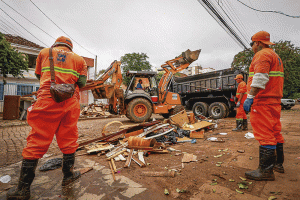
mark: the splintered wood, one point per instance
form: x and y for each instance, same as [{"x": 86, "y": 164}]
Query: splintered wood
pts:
[
  {"x": 180, "y": 118},
  {"x": 96, "y": 147},
  {"x": 187, "y": 157},
  {"x": 94, "y": 110}
]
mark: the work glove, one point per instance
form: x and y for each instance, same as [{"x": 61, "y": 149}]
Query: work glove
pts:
[
  {"x": 247, "y": 105},
  {"x": 238, "y": 104}
]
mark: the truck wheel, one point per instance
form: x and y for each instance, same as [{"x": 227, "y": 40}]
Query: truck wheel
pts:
[
  {"x": 217, "y": 110},
  {"x": 227, "y": 109},
  {"x": 176, "y": 110},
  {"x": 139, "y": 110},
  {"x": 200, "y": 108}
]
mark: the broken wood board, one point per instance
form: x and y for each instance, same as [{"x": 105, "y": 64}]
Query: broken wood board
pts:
[
  {"x": 197, "y": 134},
  {"x": 180, "y": 118},
  {"x": 137, "y": 161},
  {"x": 95, "y": 147},
  {"x": 187, "y": 157},
  {"x": 128, "y": 161},
  {"x": 182, "y": 139},
  {"x": 198, "y": 125},
  {"x": 159, "y": 174}
]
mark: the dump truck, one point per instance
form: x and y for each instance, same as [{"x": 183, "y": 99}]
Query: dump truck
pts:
[
  {"x": 138, "y": 105},
  {"x": 209, "y": 94}
]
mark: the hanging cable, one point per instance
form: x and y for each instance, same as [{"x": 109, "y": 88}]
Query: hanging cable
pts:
[
  {"x": 279, "y": 12},
  {"x": 215, "y": 14},
  {"x": 60, "y": 28},
  {"x": 23, "y": 27},
  {"x": 28, "y": 20}
]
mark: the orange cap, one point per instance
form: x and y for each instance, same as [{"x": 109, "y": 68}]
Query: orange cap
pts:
[
  {"x": 239, "y": 76},
  {"x": 62, "y": 40},
  {"x": 263, "y": 37}
]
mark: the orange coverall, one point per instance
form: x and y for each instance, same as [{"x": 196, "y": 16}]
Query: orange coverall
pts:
[
  {"x": 266, "y": 108},
  {"x": 240, "y": 113},
  {"x": 48, "y": 118}
]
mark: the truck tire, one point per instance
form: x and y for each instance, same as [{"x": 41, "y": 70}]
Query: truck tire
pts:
[
  {"x": 227, "y": 108},
  {"x": 200, "y": 108},
  {"x": 176, "y": 110},
  {"x": 139, "y": 110},
  {"x": 217, "y": 110}
]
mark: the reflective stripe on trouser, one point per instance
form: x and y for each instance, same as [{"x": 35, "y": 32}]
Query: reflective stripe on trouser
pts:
[
  {"x": 265, "y": 122},
  {"x": 48, "y": 118},
  {"x": 240, "y": 113}
]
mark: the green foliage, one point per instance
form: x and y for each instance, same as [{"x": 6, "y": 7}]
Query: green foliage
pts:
[
  {"x": 134, "y": 62},
  {"x": 290, "y": 56},
  {"x": 11, "y": 61},
  {"x": 159, "y": 76}
]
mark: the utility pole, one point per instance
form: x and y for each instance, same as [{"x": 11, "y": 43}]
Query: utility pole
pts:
[{"x": 95, "y": 68}]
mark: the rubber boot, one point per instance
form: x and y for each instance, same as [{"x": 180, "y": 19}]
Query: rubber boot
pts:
[
  {"x": 264, "y": 171},
  {"x": 279, "y": 158},
  {"x": 22, "y": 191},
  {"x": 67, "y": 168},
  {"x": 245, "y": 125},
  {"x": 239, "y": 124}
]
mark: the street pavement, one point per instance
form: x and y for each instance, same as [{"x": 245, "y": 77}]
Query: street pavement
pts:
[{"x": 95, "y": 184}]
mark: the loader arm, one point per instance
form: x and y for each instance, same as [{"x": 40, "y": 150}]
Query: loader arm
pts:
[
  {"x": 110, "y": 91},
  {"x": 173, "y": 66}
]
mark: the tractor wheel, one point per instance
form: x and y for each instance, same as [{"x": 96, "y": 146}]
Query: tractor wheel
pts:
[
  {"x": 176, "y": 110},
  {"x": 139, "y": 110},
  {"x": 217, "y": 110},
  {"x": 200, "y": 108}
]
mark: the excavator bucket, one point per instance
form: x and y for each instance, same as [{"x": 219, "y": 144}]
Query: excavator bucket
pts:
[
  {"x": 189, "y": 56},
  {"x": 104, "y": 92}
]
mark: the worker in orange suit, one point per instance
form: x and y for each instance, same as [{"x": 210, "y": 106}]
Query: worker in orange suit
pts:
[
  {"x": 265, "y": 90},
  {"x": 241, "y": 94},
  {"x": 48, "y": 118}
]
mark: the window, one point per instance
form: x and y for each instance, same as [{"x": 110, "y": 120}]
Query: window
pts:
[
  {"x": 24, "y": 89},
  {"x": 1, "y": 91},
  {"x": 37, "y": 88}
]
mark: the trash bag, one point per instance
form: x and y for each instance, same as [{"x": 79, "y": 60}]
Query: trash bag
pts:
[{"x": 51, "y": 164}]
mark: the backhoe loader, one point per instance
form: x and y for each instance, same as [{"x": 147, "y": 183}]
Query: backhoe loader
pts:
[{"x": 138, "y": 105}]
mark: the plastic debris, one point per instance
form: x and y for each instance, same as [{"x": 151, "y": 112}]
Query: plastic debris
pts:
[
  {"x": 5, "y": 179},
  {"x": 54, "y": 163},
  {"x": 242, "y": 178},
  {"x": 166, "y": 192},
  {"x": 239, "y": 191},
  {"x": 222, "y": 133},
  {"x": 249, "y": 135},
  {"x": 212, "y": 139}
]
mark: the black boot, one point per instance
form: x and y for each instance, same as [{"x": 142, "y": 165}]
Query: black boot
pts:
[
  {"x": 67, "y": 168},
  {"x": 22, "y": 192},
  {"x": 239, "y": 124},
  {"x": 245, "y": 125},
  {"x": 280, "y": 158},
  {"x": 264, "y": 171}
]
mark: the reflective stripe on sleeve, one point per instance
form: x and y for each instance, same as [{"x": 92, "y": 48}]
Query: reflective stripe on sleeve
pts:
[{"x": 62, "y": 70}]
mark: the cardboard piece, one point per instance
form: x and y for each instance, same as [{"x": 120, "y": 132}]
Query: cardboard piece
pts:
[
  {"x": 180, "y": 118},
  {"x": 187, "y": 157},
  {"x": 198, "y": 125}
]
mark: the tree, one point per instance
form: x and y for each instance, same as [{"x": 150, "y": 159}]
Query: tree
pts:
[
  {"x": 11, "y": 61},
  {"x": 134, "y": 62},
  {"x": 290, "y": 56}
]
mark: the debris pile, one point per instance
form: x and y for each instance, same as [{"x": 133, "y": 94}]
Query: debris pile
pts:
[
  {"x": 95, "y": 110},
  {"x": 131, "y": 143}
]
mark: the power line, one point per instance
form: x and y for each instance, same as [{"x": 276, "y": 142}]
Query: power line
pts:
[
  {"x": 22, "y": 27},
  {"x": 224, "y": 24},
  {"x": 279, "y": 12},
  {"x": 60, "y": 28},
  {"x": 17, "y": 31},
  {"x": 233, "y": 22},
  {"x": 28, "y": 20}
]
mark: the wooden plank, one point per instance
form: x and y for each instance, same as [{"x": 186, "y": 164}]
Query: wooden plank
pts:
[
  {"x": 141, "y": 157},
  {"x": 112, "y": 171},
  {"x": 121, "y": 157},
  {"x": 116, "y": 154},
  {"x": 128, "y": 161},
  {"x": 113, "y": 165},
  {"x": 197, "y": 134},
  {"x": 137, "y": 161}
]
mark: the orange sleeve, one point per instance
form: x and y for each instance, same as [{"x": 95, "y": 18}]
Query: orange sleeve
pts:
[
  {"x": 262, "y": 63},
  {"x": 38, "y": 67},
  {"x": 83, "y": 69}
]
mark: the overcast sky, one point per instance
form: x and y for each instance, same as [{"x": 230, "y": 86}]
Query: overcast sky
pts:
[{"x": 160, "y": 28}]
